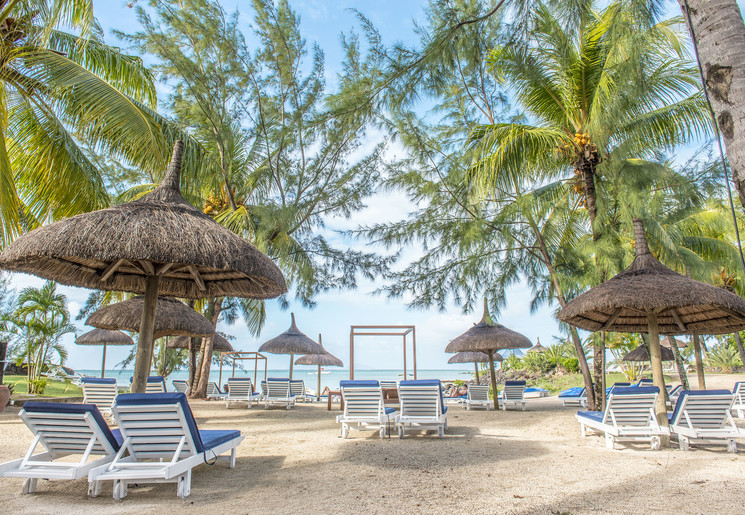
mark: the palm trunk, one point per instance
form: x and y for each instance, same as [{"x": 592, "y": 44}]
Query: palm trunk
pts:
[
  {"x": 204, "y": 376},
  {"x": 699, "y": 362},
  {"x": 3, "y": 354},
  {"x": 719, "y": 35},
  {"x": 597, "y": 363},
  {"x": 679, "y": 363},
  {"x": 655, "y": 356},
  {"x": 740, "y": 347},
  {"x": 584, "y": 367},
  {"x": 194, "y": 343}
]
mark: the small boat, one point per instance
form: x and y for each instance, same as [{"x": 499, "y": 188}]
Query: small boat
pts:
[{"x": 315, "y": 372}]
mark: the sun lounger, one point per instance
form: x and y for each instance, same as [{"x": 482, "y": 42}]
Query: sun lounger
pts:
[
  {"x": 100, "y": 391},
  {"x": 240, "y": 390},
  {"x": 278, "y": 392},
  {"x": 297, "y": 388},
  {"x": 536, "y": 393},
  {"x": 161, "y": 444},
  {"x": 364, "y": 409},
  {"x": 513, "y": 395},
  {"x": 422, "y": 406},
  {"x": 629, "y": 415},
  {"x": 213, "y": 391},
  {"x": 180, "y": 385},
  {"x": 644, "y": 381},
  {"x": 739, "y": 404},
  {"x": 576, "y": 396},
  {"x": 389, "y": 384},
  {"x": 155, "y": 384},
  {"x": 478, "y": 397},
  {"x": 703, "y": 416},
  {"x": 673, "y": 392},
  {"x": 64, "y": 430}
]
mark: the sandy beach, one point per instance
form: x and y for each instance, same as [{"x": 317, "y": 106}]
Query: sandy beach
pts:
[{"x": 489, "y": 462}]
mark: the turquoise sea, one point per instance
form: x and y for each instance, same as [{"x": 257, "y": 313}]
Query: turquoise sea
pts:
[{"x": 330, "y": 379}]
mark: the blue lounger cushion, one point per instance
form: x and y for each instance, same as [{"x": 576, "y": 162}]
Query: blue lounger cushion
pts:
[
  {"x": 514, "y": 383},
  {"x": 534, "y": 389},
  {"x": 98, "y": 380},
  {"x": 277, "y": 379},
  {"x": 388, "y": 411},
  {"x": 211, "y": 438},
  {"x": 80, "y": 409},
  {"x": 426, "y": 382},
  {"x": 597, "y": 416},
  {"x": 577, "y": 391},
  {"x": 635, "y": 390},
  {"x": 358, "y": 383},
  {"x": 673, "y": 417}
]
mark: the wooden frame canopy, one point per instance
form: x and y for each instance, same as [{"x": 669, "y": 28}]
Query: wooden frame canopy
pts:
[
  {"x": 382, "y": 330},
  {"x": 239, "y": 355}
]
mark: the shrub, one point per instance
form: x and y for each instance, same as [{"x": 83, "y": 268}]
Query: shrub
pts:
[
  {"x": 570, "y": 364},
  {"x": 38, "y": 386},
  {"x": 724, "y": 357}
]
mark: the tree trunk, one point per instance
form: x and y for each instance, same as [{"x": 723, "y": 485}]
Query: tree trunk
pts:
[
  {"x": 584, "y": 367},
  {"x": 493, "y": 379},
  {"x": 204, "y": 376},
  {"x": 699, "y": 363},
  {"x": 144, "y": 355},
  {"x": 718, "y": 32},
  {"x": 194, "y": 343},
  {"x": 679, "y": 363},
  {"x": 597, "y": 363},
  {"x": 3, "y": 353},
  {"x": 740, "y": 347},
  {"x": 655, "y": 356}
]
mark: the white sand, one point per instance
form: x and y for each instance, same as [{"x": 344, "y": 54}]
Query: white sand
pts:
[{"x": 489, "y": 462}]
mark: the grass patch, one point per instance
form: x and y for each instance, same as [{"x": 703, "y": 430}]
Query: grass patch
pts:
[
  {"x": 557, "y": 384},
  {"x": 53, "y": 389}
]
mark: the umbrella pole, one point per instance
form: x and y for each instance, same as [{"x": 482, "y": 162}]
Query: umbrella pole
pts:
[
  {"x": 145, "y": 345},
  {"x": 476, "y": 367},
  {"x": 699, "y": 362},
  {"x": 165, "y": 356},
  {"x": 493, "y": 379},
  {"x": 655, "y": 355},
  {"x": 292, "y": 358},
  {"x": 318, "y": 392},
  {"x": 103, "y": 362}
]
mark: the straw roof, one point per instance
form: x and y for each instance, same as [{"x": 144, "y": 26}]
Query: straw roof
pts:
[
  {"x": 172, "y": 318},
  {"x": 292, "y": 341},
  {"x": 472, "y": 357},
  {"x": 158, "y": 234},
  {"x": 537, "y": 347},
  {"x": 665, "y": 342},
  {"x": 487, "y": 335},
  {"x": 683, "y": 305},
  {"x": 642, "y": 354},
  {"x": 325, "y": 360},
  {"x": 104, "y": 337},
  {"x": 219, "y": 344}
]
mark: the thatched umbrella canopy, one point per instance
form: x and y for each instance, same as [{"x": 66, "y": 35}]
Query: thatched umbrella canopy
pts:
[
  {"x": 219, "y": 343},
  {"x": 322, "y": 360},
  {"x": 473, "y": 357},
  {"x": 642, "y": 354},
  {"x": 157, "y": 244},
  {"x": 665, "y": 342},
  {"x": 293, "y": 341},
  {"x": 104, "y": 337},
  {"x": 488, "y": 336},
  {"x": 649, "y": 297},
  {"x": 537, "y": 347}
]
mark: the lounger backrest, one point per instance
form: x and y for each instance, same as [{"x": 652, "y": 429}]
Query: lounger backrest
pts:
[
  {"x": 702, "y": 409},
  {"x": 156, "y": 424},
  {"x": 631, "y": 406},
  {"x": 388, "y": 384},
  {"x": 478, "y": 393},
  {"x": 100, "y": 392},
  {"x": 644, "y": 381},
  {"x": 180, "y": 385},
  {"x": 297, "y": 387},
  {"x": 362, "y": 399},
  {"x": 239, "y": 387},
  {"x": 213, "y": 389},
  {"x": 155, "y": 384},
  {"x": 576, "y": 391},
  {"x": 420, "y": 398},
  {"x": 278, "y": 388},
  {"x": 68, "y": 428},
  {"x": 514, "y": 390},
  {"x": 739, "y": 391}
]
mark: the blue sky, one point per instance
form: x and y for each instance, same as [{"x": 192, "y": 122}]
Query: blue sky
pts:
[{"x": 322, "y": 21}]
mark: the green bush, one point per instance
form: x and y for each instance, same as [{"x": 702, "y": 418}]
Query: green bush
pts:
[
  {"x": 38, "y": 386},
  {"x": 570, "y": 364},
  {"x": 724, "y": 357}
]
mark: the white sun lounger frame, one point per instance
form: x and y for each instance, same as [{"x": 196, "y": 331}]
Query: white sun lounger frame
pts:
[
  {"x": 278, "y": 392},
  {"x": 155, "y": 387},
  {"x": 580, "y": 400},
  {"x": 513, "y": 396},
  {"x": 61, "y": 434},
  {"x": 159, "y": 432},
  {"x": 180, "y": 385},
  {"x": 297, "y": 388},
  {"x": 240, "y": 391},
  {"x": 364, "y": 410},
  {"x": 102, "y": 395},
  {"x": 421, "y": 408},
  {"x": 213, "y": 391},
  {"x": 627, "y": 417},
  {"x": 739, "y": 402},
  {"x": 706, "y": 419},
  {"x": 478, "y": 397}
]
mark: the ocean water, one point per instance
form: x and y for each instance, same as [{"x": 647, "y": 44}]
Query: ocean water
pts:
[{"x": 306, "y": 373}]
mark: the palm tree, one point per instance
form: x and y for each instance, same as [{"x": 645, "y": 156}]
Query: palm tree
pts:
[{"x": 63, "y": 94}]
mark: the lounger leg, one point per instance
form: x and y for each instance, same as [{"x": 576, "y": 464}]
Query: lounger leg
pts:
[
  {"x": 583, "y": 430},
  {"x": 731, "y": 445},
  {"x": 655, "y": 443},
  {"x": 29, "y": 485},
  {"x": 683, "y": 442},
  {"x": 232, "y": 458},
  {"x": 609, "y": 441},
  {"x": 120, "y": 489},
  {"x": 401, "y": 431},
  {"x": 382, "y": 431},
  {"x": 184, "y": 485},
  {"x": 344, "y": 430},
  {"x": 740, "y": 413},
  {"x": 94, "y": 488},
  {"x": 441, "y": 431}
]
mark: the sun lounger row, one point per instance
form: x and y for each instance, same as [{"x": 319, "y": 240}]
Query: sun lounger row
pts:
[
  {"x": 699, "y": 417},
  {"x": 421, "y": 407},
  {"x": 157, "y": 441}
]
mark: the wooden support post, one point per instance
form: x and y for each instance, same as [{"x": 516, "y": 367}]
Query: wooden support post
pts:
[
  {"x": 405, "y": 376},
  {"x": 165, "y": 357},
  {"x": 699, "y": 362},
  {"x": 292, "y": 358},
  {"x": 145, "y": 344},
  {"x": 318, "y": 392},
  {"x": 476, "y": 366},
  {"x": 351, "y": 354},
  {"x": 655, "y": 355},
  {"x": 103, "y": 362},
  {"x": 413, "y": 349},
  {"x": 490, "y": 352}
]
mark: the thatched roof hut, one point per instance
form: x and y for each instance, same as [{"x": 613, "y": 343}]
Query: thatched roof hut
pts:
[
  {"x": 172, "y": 318},
  {"x": 642, "y": 354},
  {"x": 219, "y": 343},
  {"x": 475, "y": 358},
  {"x": 321, "y": 360},
  {"x": 293, "y": 341},
  {"x": 157, "y": 245},
  {"x": 488, "y": 336},
  {"x": 104, "y": 337}
]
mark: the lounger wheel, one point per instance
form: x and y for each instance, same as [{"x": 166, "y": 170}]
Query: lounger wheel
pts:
[
  {"x": 683, "y": 443},
  {"x": 441, "y": 431},
  {"x": 120, "y": 490},
  {"x": 344, "y": 431},
  {"x": 29, "y": 485},
  {"x": 382, "y": 431},
  {"x": 609, "y": 441},
  {"x": 184, "y": 486},
  {"x": 655, "y": 443},
  {"x": 401, "y": 431},
  {"x": 731, "y": 445},
  {"x": 94, "y": 488}
]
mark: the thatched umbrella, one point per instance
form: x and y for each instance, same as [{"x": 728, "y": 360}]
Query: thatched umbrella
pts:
[
  {"x": 665, "y": 342},
  {"x": 642, "y": 354},
  {"x": 537, "y": 347},
  {"x": 488, "y": 336},
  {"x": 104, "y": 337},
  {"x": 293, "y": 341},
  {"x": 322, "y": 360},
  {"x": 219, "y": 343},
  {"x": 649, "y": 297},
  {"x": 473, "y": 357},
  {"x": 157, "y": 244}
]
